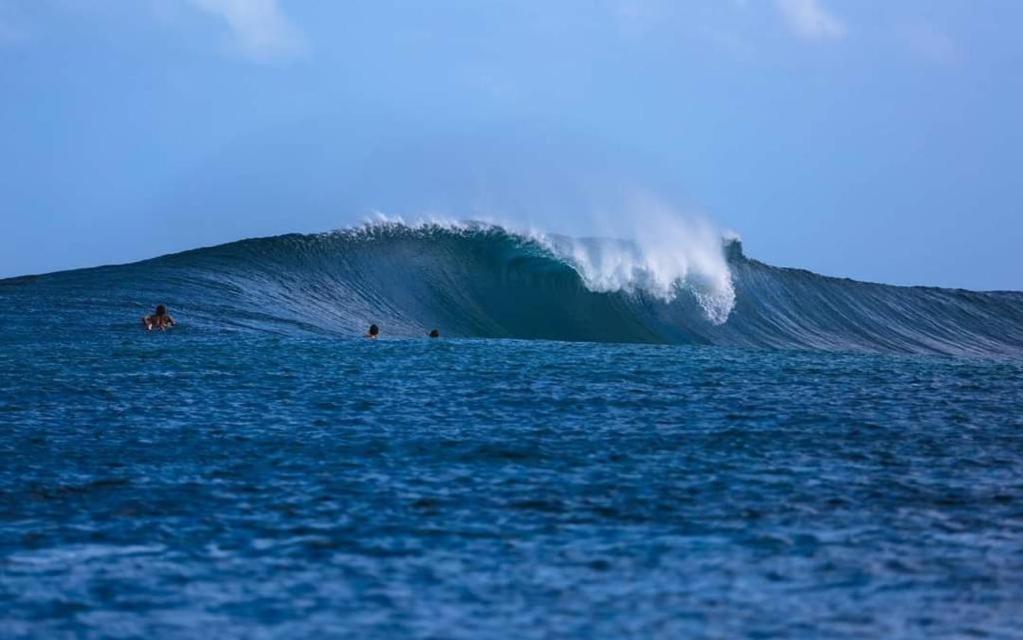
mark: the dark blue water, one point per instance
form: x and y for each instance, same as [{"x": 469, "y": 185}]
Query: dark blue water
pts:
[
  {"x": 185, "y": 485},
  {"x": 832, "y": 459}
]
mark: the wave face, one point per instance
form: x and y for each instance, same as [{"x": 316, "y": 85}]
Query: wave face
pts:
[{"x": 477, "y": 280}]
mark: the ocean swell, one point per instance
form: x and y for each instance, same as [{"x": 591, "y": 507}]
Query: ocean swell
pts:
[{"x": 483, "y": 280}]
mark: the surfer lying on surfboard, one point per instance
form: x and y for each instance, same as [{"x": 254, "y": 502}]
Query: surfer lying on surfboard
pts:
[{"x": 160, "y": 320}]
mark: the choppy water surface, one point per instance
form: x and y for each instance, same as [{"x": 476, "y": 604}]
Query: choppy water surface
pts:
[{"x": 190, "y": 484}]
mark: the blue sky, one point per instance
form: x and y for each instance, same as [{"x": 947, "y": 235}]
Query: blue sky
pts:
[{"x": 874, "y": 140}]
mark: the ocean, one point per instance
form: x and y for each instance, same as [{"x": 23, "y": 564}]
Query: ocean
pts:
[{"x": 608, "y": 441}]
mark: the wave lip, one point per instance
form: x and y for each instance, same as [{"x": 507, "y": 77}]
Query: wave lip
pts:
[
  {"x": 678, "y": 258},
  {"x": 677, "y": 285}
]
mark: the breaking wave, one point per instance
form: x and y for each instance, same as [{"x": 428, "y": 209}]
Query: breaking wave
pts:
[{"x": 482, "y": 280}]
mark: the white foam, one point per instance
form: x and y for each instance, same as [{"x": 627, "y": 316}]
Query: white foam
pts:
[{"x": 686, "y": 255}]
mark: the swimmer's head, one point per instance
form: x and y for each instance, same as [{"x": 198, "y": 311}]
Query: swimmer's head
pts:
[
  {"x": 161, "y": 310},
  {"x": 374, "y": 330},
  {"x": 435, "y": 334}
]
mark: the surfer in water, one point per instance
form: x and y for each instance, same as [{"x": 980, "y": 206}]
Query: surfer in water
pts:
[
  {"x": 374, "y": 332},
  {"x": 434, "y": 333},
  {"x": 159, "y": 320}
]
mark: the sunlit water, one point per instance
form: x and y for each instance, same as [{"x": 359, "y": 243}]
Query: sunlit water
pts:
[{"x": 192, "y": 485}]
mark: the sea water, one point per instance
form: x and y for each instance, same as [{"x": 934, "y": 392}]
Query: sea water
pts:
[
  {"x": 656, "y": 438},
  {"x": 194, "y": 483}
]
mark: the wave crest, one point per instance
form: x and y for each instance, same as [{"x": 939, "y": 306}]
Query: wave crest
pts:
[{"x": 686, "y": 256}]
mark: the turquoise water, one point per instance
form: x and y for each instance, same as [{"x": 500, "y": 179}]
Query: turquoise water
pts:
[{"x": 754, "y": 453}]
